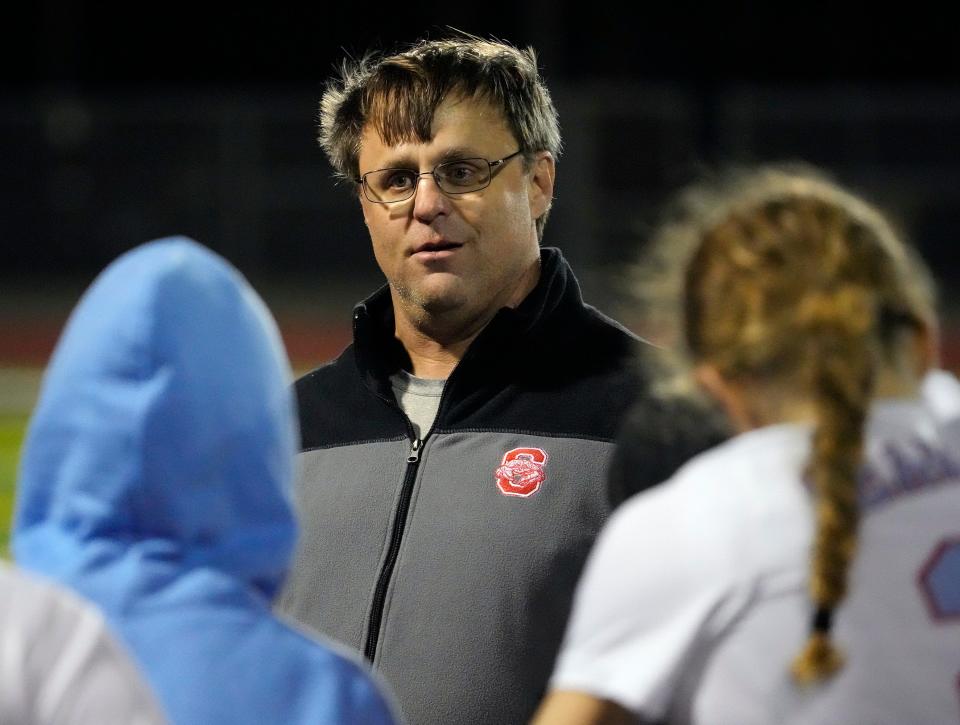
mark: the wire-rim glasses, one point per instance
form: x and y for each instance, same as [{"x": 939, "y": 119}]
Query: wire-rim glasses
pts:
[{"x": 459, "y": 176}]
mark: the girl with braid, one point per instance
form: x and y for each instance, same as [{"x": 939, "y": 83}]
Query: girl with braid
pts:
[{"x": 807, "y": 570}]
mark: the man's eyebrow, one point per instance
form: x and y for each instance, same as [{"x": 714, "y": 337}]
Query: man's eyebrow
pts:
[
  {"x": 458, "y": 152},
  {"x": 405, "y": 160},
  {"x": 400, "y": 161}
]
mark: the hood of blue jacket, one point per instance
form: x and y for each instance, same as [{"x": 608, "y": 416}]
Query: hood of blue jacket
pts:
[
  {"x": 159, "y": 456},
  {"x": 155, "y": 481}
]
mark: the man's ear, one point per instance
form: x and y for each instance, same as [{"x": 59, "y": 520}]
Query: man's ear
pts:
[
  {"x": 362, "y": 201},
  {"x": 542, "y": 175},
  {"x": 728, "y": 395}
]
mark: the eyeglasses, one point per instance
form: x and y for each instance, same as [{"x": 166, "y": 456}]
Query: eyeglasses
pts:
[{"x": 461, "y": 176}]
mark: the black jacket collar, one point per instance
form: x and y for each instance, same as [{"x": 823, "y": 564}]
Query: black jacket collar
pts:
[{"x": 555, "y": 297}]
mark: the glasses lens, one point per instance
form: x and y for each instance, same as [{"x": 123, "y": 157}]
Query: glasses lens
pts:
[
  {"x": 389, "y": 185},
  {"x": 463, "y": 175}
]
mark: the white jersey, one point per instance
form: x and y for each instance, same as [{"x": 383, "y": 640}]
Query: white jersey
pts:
[
  {"x": 694, "y": 601},
  {"x": 58, "y": 663}
]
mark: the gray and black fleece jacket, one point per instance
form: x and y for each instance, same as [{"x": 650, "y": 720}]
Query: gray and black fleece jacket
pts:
[{"x": 451, "y": 561}]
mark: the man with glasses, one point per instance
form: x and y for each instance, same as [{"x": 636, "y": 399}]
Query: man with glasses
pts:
[{"x": 452, "y": 477}]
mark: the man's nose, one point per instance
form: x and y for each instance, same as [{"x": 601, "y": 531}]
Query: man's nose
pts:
[{"x": 429, "y": 200}]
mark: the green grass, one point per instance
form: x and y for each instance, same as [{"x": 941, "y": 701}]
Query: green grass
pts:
[{"x": 12, "y": 429}]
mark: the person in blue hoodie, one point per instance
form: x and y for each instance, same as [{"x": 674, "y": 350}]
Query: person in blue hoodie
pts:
[{"x": 155, "y": 482}]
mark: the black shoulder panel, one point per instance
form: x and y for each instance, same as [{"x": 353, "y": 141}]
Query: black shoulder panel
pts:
[
  {"x": 336, "y": 408},
  {"x": 575, "y": 382}
]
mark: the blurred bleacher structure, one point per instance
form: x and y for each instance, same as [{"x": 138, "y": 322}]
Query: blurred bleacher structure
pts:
[{"x": 88, "y": 175}]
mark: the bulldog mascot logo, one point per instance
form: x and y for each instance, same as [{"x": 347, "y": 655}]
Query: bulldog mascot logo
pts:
[{"x": 521, "y": 472}]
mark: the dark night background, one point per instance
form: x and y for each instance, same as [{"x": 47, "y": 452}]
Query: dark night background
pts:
[{"x": 120, "y": 123}]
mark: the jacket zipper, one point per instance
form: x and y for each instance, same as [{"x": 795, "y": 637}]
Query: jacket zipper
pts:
[{"x": 400, "y": 521}]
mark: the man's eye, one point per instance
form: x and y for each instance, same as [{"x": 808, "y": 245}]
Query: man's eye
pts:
[
  {"x": 398, "y": 180},
  {"x": 461, "y": 173}
]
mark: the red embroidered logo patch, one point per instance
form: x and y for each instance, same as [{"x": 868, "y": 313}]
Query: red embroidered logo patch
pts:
[{"x": 521, "y": 472}]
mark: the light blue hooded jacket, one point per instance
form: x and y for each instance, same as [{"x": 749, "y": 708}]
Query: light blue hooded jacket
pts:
[{"x": 154, "y": 481}]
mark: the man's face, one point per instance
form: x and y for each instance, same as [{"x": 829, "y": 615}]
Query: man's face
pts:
[{"x": 458, "y": 258}]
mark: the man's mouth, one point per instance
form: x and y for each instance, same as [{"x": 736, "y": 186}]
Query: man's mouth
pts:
[{"x": 436, "y": 249}]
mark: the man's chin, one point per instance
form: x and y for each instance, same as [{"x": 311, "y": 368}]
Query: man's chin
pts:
[
  {"x": 436, "y": 296},
  {"x": 436, "y": 305}
]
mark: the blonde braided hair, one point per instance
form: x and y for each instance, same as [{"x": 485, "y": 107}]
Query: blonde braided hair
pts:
[{"x": 783, "y": 276}]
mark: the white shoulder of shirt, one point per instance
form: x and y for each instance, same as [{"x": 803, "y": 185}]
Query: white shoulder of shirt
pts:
[
  {"x": 679, "y": 562},
  {"x": 60, "y": 663},
  {"x": 713, "y": 497}
]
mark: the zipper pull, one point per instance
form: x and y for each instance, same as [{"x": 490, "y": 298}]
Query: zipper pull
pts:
[{"x": 414, "y": 451}]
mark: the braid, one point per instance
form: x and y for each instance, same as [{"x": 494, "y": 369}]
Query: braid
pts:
[
  {"x": 841, "y": 375},
  {"x": 799, "y": 290},
  {"x": 792, "y": 281}
]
